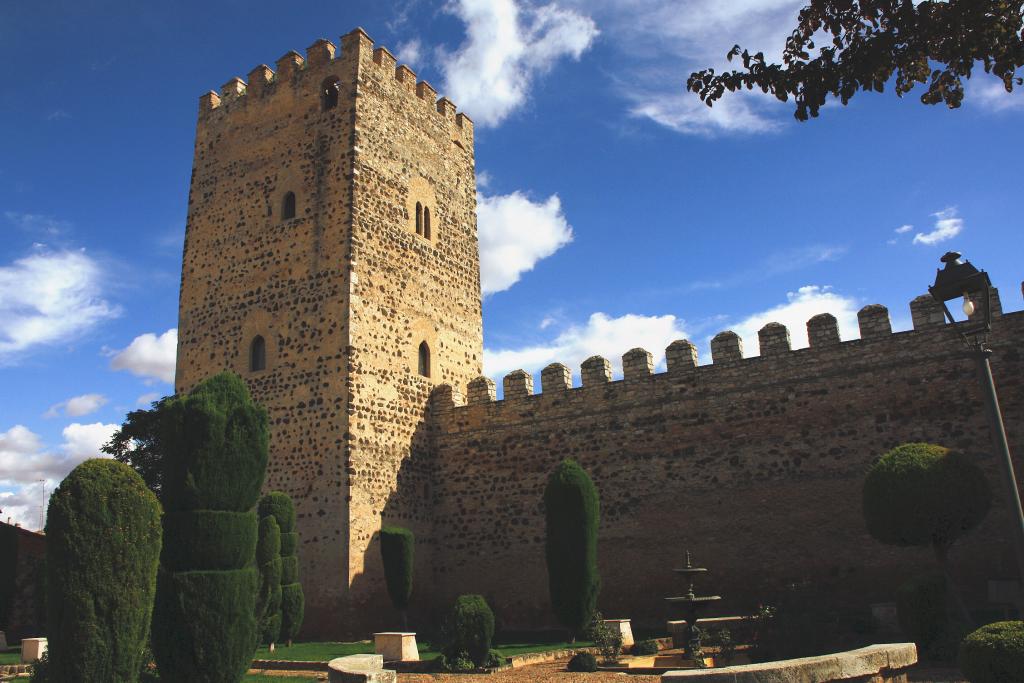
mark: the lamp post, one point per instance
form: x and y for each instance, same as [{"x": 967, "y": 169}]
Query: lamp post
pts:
[{"x": 960, "y": 279}]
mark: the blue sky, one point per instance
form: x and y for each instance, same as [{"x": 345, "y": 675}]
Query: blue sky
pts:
[{"x": 616, "y": 210}]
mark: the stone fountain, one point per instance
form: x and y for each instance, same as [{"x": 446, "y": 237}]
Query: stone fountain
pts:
[{"x": 690, "y": 605}]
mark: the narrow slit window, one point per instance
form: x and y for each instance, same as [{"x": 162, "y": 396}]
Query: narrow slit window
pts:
[
  {"x": 426, "y": 222},
  {"x": 424, "y": 364},
  {"x": 288, "y": 206},
  {"x": 258, "y": 354},
  {"x": 329, "y": 93},
  {"x": 419, "y": 218}
]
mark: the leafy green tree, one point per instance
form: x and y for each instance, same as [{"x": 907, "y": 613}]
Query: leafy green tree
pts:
[
  {"x": 137, "y": 444},
  {"x": 862, "y": 44},
  {"x": 268, "y": 559},
  {"x": 469, "y": 630},
  {"x": 214, "y": 443},
  {"x": 396, "y": 550},
  {"x": 920, "y": 494},
  {"x": 572, "y": 514},
  {"x": 102, "y": 549},
  {"x": 279, "y": 505}
]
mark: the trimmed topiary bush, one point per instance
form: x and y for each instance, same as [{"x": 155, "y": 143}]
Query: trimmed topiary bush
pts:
[
  {"x": 994, "y": 653},
  {"x": 468, "y": 630},
  {"x": 215, "y": 457},
  {"x": 396, "y": 551},
  {"x": 583, "y": 661},
  {"x": 268, "y": 562},
  {"x": 572, "y": 513},
  {"x": 293, "y": 604},
  {"x": 645, "y": 647},
  {"x": 102, "y": 551},
  {"x": 919, "y": 494},
  {"x": 921, "y": 608}
]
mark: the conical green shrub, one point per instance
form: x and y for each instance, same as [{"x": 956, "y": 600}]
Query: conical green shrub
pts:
[
  {"x": 279, "y": 505},
  {"x": 572, "y": 513},
  {"x": 204, "y": 625},
  {"x": 268, "y": 601},
  {"x": 102, "y": 551}
]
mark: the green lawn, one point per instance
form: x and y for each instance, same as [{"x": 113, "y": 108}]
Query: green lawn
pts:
[
  {"x": 323, "y": 652},
  {"x": 11, "y": 656}
]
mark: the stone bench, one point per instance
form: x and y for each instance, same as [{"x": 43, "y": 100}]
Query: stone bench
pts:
[
  {"x": 873, "y": 664},
  {"x": 360, "y": 669}
]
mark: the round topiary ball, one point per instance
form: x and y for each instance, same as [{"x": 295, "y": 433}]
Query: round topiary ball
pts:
[
  {"x": 583, "y": 661},
  {"x": 920, "y": 494},
  {"x": 994, "y": 653}
]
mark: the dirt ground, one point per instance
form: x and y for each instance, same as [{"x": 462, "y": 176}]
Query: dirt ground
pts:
[{"x": 547, "y": 671}]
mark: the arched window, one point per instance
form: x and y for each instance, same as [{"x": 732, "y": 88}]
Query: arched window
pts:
[
  {"x": 257, "y": 354},
  {"x": 288, "y": 206},
  {"x": 426, "y": 222},
  {"x": 419, "y": 218},
  {"x": 329, "y": 93},
  {"x": 424, "y": 365}
]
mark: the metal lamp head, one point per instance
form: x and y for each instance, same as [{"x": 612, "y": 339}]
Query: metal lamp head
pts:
[{"x": 959, "y": 279}]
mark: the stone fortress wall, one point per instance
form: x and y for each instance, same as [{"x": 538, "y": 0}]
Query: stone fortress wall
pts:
[{"x": 753, "y": 464}]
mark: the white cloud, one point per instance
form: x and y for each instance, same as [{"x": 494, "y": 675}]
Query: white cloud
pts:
[
  {"x": 146, "y": 399},
  {"x": 660, "y": 42},
  {"x": 31, "y": 471},
  {"x": 78, "y": 405},
  {"x": 83, "y": 441},
  {"x": 800, "y": 307},
  {"x": 22, "y": 505},
  {"x": 990, "y": 94},
  {"x": 23, "y": 459},
  {"x": 38, "y": 223},
  {"x": 150, "y": 356},
  {"x": 947, "y": 226},
  {"x": 411, "y": 53},
  {"x": 48, "y": 298},
  {"x": 507, "y": 45},
  {"x": 515, "y": 233},
  {"x": 685, "y": 113},
  {"x": 904, "y": 229},
  {"x": 601, "y": 335}
]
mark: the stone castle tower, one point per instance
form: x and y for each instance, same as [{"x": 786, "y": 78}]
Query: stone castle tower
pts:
[{"x": 331, "y": 260}]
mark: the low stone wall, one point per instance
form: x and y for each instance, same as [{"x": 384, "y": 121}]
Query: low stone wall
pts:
[{"x": 873, "y": 664}]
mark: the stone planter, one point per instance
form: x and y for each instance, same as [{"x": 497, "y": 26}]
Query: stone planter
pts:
[
  {"x": 396, "y": 646},
  {"x": 32, "y": 649}
]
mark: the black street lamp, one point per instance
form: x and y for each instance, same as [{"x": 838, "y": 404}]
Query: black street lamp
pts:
[{"x": 960, "y": 279}]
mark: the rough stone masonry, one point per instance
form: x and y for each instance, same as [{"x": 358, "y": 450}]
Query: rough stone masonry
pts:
[{"x": 331, "y": 259}]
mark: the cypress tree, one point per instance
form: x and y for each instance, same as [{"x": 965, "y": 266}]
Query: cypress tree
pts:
[
  {"x": 268, "y": 559},
  {"x": 279, "y": 505},
  {"x": 215, "y": 457},
  {"x": 572, "y": 513},
  {"x": 102, "y": 550},
  {"x": 396, "y": 551}
]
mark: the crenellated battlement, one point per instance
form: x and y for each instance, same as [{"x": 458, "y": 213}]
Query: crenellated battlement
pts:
[
  {"x": 726, "y": 356},
  {"x": 307, "y": 76}
]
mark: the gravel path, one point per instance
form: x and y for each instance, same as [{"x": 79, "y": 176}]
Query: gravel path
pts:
[{"x": 535, "y": 673}]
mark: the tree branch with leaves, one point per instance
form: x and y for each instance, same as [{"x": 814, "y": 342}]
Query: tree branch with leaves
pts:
[{"x": 865, "y": 43}]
